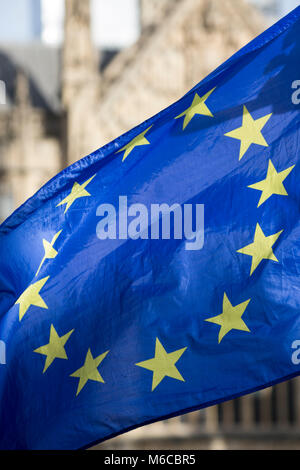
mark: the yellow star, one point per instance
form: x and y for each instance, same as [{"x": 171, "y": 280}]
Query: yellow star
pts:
[
  {"x": 89, "y": 371},
  {"x": 198, "y": 106},
  {"x": 250, "y": 131},
  {"x": 136, "y": 142},
  {"x": 261, "y": 248},
  {"x": 272, "y": 184},
  {"x": 55, "y": 348},
  {"x": 78, "y": 191},
  {"x": 50, "y": 252},
  {"x": 31, "y": 296},
  {"x": 163, "y": 364},
  {"x": 230, "y": 318}
]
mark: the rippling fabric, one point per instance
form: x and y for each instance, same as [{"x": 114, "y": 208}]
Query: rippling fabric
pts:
[{"x": 103, "y": 334}]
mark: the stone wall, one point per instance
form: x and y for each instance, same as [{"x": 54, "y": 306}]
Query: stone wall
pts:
[
  {"x": 182, "y": 41},
  {"x": 192, "y": 39}
]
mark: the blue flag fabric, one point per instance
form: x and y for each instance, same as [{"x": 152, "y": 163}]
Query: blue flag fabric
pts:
[{"x": 160, "y": 274}]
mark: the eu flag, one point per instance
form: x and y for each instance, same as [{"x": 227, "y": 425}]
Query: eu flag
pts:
[{"x": 161, "y": 273}]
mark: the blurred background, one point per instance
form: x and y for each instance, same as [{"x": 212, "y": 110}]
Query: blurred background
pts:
[{"x": 75, "y": 74}]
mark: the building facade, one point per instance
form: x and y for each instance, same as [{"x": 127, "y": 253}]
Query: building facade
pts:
[{"x": 64, "y": 103}]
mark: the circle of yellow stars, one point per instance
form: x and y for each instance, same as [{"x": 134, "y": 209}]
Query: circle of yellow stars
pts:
[{"x": 164, "y": 364}]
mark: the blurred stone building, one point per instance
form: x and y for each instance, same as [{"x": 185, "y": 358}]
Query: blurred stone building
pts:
[{"x": 64, "y": 103}]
